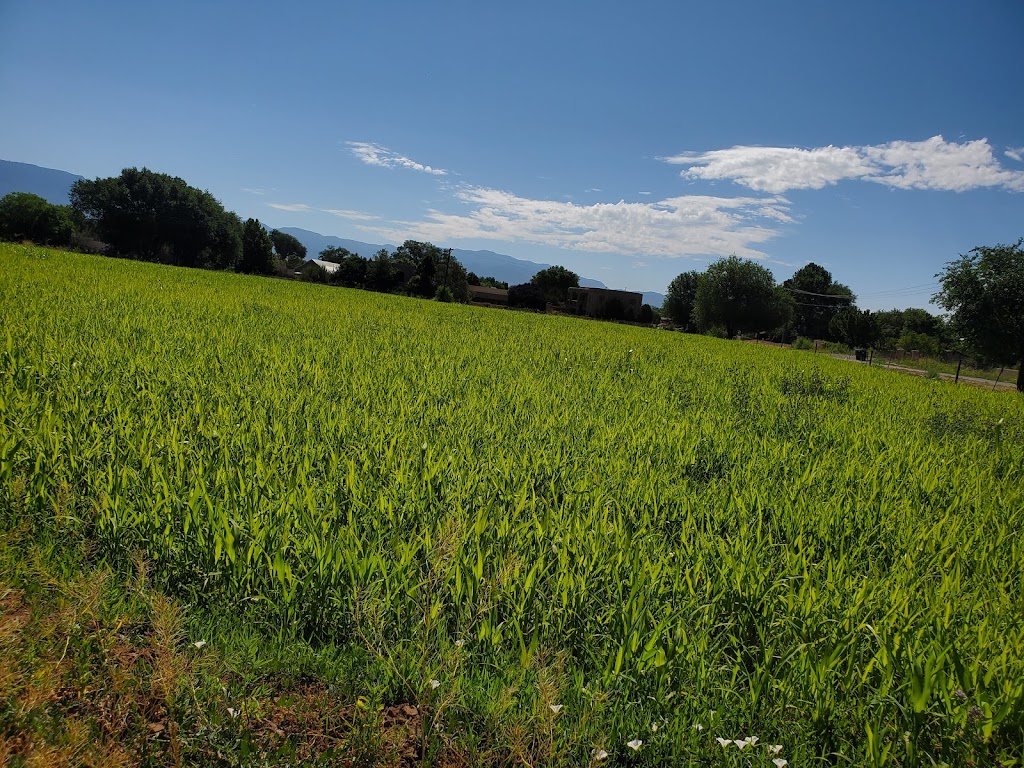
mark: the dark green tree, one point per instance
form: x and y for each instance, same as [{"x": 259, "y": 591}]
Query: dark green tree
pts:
[
  {"x": 424, "y": 259},
  {"x": 493, "y": 282},
  {"x": 526, "y": 296},
  {"x": 555, "y": 282},
  {"x": 679, "y": 299},
  {"x": 156, "y": 217},
  {"x": 288, "y": 249},
  {"x": 855, "y": 327},
  {"x": 257, "y": 249},
  {"x": 646, "y": 315},
  {"x": 984, "y": 293},
  {"x": 382, "y": 274},
  {"x": 816, "y": 300},
  {"x": 351, "y": 269},
  {"x": 740, "y": 295},
  {"x": 24, "y": 216}
]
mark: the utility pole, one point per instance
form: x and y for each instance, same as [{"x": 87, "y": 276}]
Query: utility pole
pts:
[{"x": 447, "y": 264}]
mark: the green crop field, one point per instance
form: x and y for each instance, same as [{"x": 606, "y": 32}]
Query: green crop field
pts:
[{"x": 550, "y": 537}]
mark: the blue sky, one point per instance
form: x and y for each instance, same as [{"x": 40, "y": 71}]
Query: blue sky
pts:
[{"x": 628, "y": 141}]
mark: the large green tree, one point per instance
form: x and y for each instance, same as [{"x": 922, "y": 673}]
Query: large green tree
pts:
[
  {"x": 24, "y": 216},
  {"x": 351, "y": 269},
  {"x": 855, "y": 327},
  {"x": 740, "y": 295},
  {"x": 257, "y": 249},
  {"x": 156, "y": 217},
  {"x": 816, "y": 300},
  {"x": 984, "y": 293},
  {"x": 433, "y": 269},
  {"x": 382, "y": 273},
  {"x": 288, "y": 249},
  {"x": 679, "y": 298},
  {"x": 555, "y": 283}
]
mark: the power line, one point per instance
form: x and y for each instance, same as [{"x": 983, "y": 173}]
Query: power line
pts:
[{"x": 845, "y": 296}]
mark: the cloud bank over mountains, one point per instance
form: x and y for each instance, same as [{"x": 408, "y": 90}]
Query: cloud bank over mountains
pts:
[
  {"x": 676, "y": 226},
  {"x": 692, "y": 225}
]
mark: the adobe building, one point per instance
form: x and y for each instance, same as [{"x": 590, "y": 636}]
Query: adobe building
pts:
[
  {"x": 487, "y": 295},
  {"x": 606, "y": 302}
]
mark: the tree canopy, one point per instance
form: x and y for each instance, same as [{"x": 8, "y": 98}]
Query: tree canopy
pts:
[
  {"x": 740, "y": 295},
  {"x": 156, "y": 217},
  {"x": 288, "y": 249},
  {"x": 855, "y": 327},
  {"x": 984, "y": 293},
  {"x": 24, "y": 216},
  {"x": 555, "y": 283},
  {"x": 257, "y": 249},
  {"x": 679, "y": 299},
  {"x": 816, "y": 300}
]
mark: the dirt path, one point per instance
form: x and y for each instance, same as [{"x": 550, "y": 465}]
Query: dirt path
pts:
[{"x": 1003, "y": 385}]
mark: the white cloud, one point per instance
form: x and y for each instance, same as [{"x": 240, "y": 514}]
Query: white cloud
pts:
[
  {"x": 931, "y": 164},
  {"x": 1015, "y": 153},
  {"x": 254, "y": 190},
  {"x": 291, "y": 206},
  {"x": 341, "y": 212},
  {"x": 643, "y": 193},
  {"x": 357, "y": 215},
  {"x": 375, "y": 154},
  {"x": 680, "y": 226}
]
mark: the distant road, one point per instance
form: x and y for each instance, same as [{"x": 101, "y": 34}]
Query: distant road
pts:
[{"x": 1006, "y": 384}]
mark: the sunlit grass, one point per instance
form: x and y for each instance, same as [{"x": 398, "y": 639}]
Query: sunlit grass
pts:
[{"x": 549, "y": 533}]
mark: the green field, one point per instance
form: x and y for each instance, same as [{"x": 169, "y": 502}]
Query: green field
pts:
[{"x": 485, "y": 513}]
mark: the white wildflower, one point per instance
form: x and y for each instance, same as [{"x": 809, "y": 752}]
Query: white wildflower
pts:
[
  {"x": 741, "y": 743},
  {"x": 233, "y": 712},
  {"x": 698, "y": 727},
  {"x": 599, "y": 754},
  {"x": 635, "y": 744},
  {"x": 752, "y": 740},
  {"x": 459, "y": 643},
  {"x": 199, "y": 643},
  {"x": 775, "y": 749},
  {"x": 780, "y": 763},
  {"x": 556, "y": 708},
  {"x": 435, "y": 684},
  {"x": 723, "y": 742}
]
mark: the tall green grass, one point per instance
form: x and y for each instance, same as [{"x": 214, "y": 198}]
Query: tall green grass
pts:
[{"x": 513, "y": 511}]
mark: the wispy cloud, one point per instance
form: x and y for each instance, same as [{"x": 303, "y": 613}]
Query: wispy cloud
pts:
[
  {"x": 931, "y": 164},
  {"x": 1015, "y": 153},
  {"x": 643, "y": 193},
  {"x": 593, "y": 189},
  {"x": 254, "y": 190},
  {"x": 375, "y": 154},
  {"x": 356, "y": 215},
  {"x": 680, "y": 226},
  {"x": 291, "y": 207},
  {"x": 303, "y": 208}
]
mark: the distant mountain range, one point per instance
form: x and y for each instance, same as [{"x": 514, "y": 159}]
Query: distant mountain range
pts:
[
  {"x": 55, "y": 186},
  {"x": 46, "y": 182}
]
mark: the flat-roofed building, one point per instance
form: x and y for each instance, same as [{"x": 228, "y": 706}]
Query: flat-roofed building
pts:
[
  {"x": 487, "y": 295},
  {"x": 606, "y": 302}
]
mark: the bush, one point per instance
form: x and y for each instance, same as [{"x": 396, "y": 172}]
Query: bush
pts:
[
  {"x": 802, "y": 342},
  {"x": 24, "y": 216}
]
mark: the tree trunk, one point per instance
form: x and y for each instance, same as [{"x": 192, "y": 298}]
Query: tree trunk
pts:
[{"x": 1020, "y": 376}]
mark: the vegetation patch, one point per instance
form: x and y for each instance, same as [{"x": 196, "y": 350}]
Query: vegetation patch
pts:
[{"x": 248, "y": 522}]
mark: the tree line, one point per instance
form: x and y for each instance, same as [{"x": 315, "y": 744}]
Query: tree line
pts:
[
  {"x": 153, "y": 216},
  {"x": 983, "y": 292}
]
